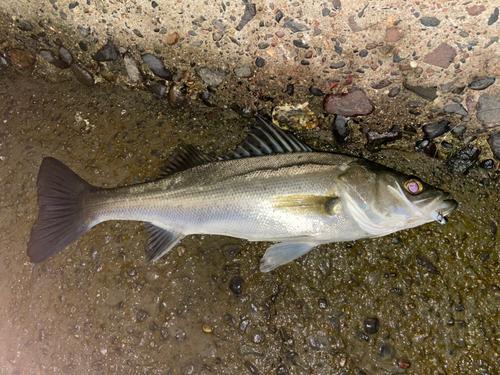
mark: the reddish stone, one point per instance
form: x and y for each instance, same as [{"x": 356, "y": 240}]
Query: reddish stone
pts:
[
  {"x": 172, "y": 39},
  {"x": 418, "y": 70},
  {"x": 354, "y": 103},
  {"x": 442, "y": 56},
  {"x": 22, "y": 59},
  {"x": 393, "y": 34},
  {"x": 405, "y": 67},
  {"x": 476, "y": 10}
]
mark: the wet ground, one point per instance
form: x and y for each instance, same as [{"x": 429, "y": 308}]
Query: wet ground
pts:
[{"x": 98, "y": 308}]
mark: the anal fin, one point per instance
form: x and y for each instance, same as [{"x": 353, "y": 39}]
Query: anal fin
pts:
[
  {"x": 160, "y": 241},
  {"x": 282, "y": 253}
]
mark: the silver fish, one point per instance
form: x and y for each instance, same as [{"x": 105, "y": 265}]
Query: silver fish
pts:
[{"x": 272, "y": 187}]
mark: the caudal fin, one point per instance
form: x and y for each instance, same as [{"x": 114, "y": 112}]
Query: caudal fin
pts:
[{"x": 60, "y": 219}]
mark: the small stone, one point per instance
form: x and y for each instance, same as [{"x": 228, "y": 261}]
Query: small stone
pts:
[
  {"x": 442, "y": 56},
  {"x": 371, "y": 325},
  {"x": 217, "y": 35},
  {"x": 374, "y": 139},
  {"x": 177, "y": 96},
  {"x": 211, "y": 77},
  {"x": 337, "y": 65},
  {"x": 430, "y": 21},
  {"x": 290, "y": 88},
  {"x": 476, "y": 10},
  {"x": 494, "y": 142},
  {"x": 83, "y": 31},
  {"x": 428, "y": 93},
  {"x": 463, "y": 34},
  {"x": 280, "y": 33},
  {"x": 325, "y": 12},
  {"x": 353, "y": 103},
  {"x": 157, "y": 66},
  {"x": 436, "y": 129},
  {"x": 138, "y": 33},
  {"x": 481, "y": 84},
  {"x": 279, "y": 16},
  {"x": 134, "y": 75},
  {"x": 425, "y": 262},
  {"x": 22, "y": 59},
  {"x": 338, "y": 49},
  {"x": 487, "y": 164},
  {"x": 207, "y": 98},
  {"x": 462, "y": 161},
  {"x": 172, "y": 39},
  {"x": 488, "y": 110},
  {"x": 157, "y": 89},
  {"x": 243, "y": 72},
  {"x": 371, "y": 46},
  {"x": 82, "y": 75},
  {"x": 141, "y": 316},
  {"x": 300, "y": 44},
  {"x": 316, "y": 91},
  {"x": 363, "y": 53},
  {"x": 458, "y": 109},
  {"x": 25, "y": 26},
  {"x": 236, "y": 284},
  {"x": 394, "y": 92},
  {"x": 260, "y": 62},
  {"x": 381, "y": 84},
  {"x": 295, "y": 26},
  {"x": 263, "y": 45},
  {"x": 493, "y": 17},
  {"x": 385, "y": 352},
  {"x": 282, "y": 370},
  {"x": 341, "y": 129},
  {"x": 108, "y": 52},
  {"x": 231, "y": 251},
  {"x": 459, "y": 130},
  {"x": 393, "y": 34},
  {"x": 248, "y": 15},
  {"x": 404, "y": 363}
]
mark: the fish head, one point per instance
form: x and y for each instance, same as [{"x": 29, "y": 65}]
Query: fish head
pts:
[{"x": 382, "y": 200}]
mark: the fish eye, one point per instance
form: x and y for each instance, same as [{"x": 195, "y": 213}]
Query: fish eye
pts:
[{"x": 413, "y": 186}]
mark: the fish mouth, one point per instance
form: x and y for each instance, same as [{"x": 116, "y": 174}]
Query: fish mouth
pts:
[{"x": 446, "y": 207}]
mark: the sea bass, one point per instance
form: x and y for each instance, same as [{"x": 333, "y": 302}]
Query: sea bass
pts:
[{"x": 272, "y": 187}]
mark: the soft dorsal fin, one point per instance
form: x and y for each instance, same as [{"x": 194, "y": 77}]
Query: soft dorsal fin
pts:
[
  {"x": 265, "y": 138},
  {"x": 184, "y": 158}
]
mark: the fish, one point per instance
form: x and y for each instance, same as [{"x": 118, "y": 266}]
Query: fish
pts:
[{"x": 271, "y": 187}]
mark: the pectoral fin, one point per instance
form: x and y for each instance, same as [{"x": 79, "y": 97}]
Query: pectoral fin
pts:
[
  {"x": 307, "y": 204},
  {"x": 282, "y": 253}
]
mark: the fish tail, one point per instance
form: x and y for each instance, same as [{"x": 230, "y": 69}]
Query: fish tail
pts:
[{"x": 61, "y": 219}]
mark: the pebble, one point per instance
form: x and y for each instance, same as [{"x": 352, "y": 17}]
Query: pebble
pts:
[
  {"x": 371, "y": 46},
  {"x": 316, "y": 91},
  {"x": 385, "y": 352},
  {"x": 476, "y": 10},
  {"x": 248, "y": 15},
  {"x": 436, "y": 129},
  {"x": 425, "y": 262},
  {"x": 319, "y": 343},
  {"x": 207, "y": 98},
  {"x": 493, "y": 17},
  {"x": 363, "y": 53},
  {"x": 338, "y": 49},
  {"x": 428, "y": 93},
  {"x": 462, "y": 161},
  {"x": 295, "y": 26},
  {"x": 21, "y": 58},
  {"x": 354, "y": 103},
  {"x": 217, "y": 35},
  {"x": 494, "y": 142},
  {"x": 325, "y": 12},
  {"x": 430, "y": 21},
  {"x": 457, "y": 109},
  {"x": 393, "y": 34},
  {"x": 172, "y": 39},
  {"x": 141, "y": 316},
  {"x": 487, "y": 164},
  {"x": 371, "y": 325},
  {"x": 418, "y": 70},
  {"x": 337, "y": 65},
  {"x": 442, "y": 56},
  {"x": 459, "y": 130},
  {"x": 82, "y": 75},
  {"x": 381, "y": 84},
  {"x": 211, "y": 77},
  {"x": 463, "y": 34},
  {"x": 481, "y": 84},
  {"x": 158, "y": 89},
  {"x": 394, "y": 92},
  {"x": 108, "y": 52},
  {"x": 279, "y": 16},
  {"x": 375, "y": 139},
  {"x": 236, "y": 284},
  {"x": 243, "y": 72},
  {"x": 25, "y": 26},
  {"x": 341, "y": 129},
  {"x": 488, "y": 110},
  {"x": 156, "y": 65},
  {"x": 230, "y": 251},
  {"x": 300, "y": 44},
  {"x": 134, "y": 75},
  {"x": 260, "y": 62},
  {"x": 177, "y": 96},
  {"x": 280, "y": 33}
]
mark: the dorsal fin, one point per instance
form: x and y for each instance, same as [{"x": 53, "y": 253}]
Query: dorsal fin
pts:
[
  {"x": 265, "y": 138},
  {"x": 184, "y": 158}
]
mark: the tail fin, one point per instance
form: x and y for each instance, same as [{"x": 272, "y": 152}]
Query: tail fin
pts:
[{"x": 60, "y": 219}]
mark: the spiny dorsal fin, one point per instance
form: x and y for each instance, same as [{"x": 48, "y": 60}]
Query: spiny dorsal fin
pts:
[
  {"x": 160, "y": 241},
  {"x": 265, "y": 138},
  {"x": 184, "y": 158}
]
